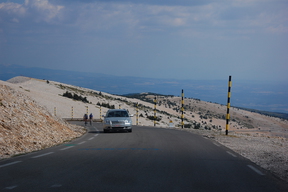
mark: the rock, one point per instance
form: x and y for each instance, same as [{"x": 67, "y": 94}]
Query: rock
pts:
[{"x": 26, "y": 126}]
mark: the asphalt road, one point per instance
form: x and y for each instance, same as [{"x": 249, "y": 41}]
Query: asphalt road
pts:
[{"x": 148, "y": 159}]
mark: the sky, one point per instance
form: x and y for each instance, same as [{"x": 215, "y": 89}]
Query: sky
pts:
[{"x": 183, "y": 39}]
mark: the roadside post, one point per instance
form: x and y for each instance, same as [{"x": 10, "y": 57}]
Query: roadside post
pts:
[
  {"x": 228, "y": 105},
  {"x": 55, "y": 111},
  {"x": 171, "y": 124},
  {"x": 72, "y": 112},
  {"x": 137, "y": 114},
  {"x": 182, "y": 109},
  {"x": 155, "y": 102},
  {"x": 100, "y": 108},
  {"x": 100, "y": 113}
]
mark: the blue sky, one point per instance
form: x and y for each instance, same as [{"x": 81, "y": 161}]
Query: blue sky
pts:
[{"x": 183, "y": 39}]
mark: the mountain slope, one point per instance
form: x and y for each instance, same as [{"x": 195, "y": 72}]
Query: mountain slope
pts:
[
  {"x": 25, "y": 126},
  {"x": 198, "y": 114}
]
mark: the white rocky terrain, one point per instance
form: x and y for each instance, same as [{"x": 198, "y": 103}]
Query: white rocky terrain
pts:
[{"x": 32, "y": 113}]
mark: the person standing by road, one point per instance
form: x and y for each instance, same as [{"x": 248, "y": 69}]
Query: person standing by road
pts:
[
  {"x": 85, "y": 118},
  {"x": 91, "y": 118}
]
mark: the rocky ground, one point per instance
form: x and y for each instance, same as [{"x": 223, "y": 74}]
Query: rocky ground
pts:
[
  {"x": 26, "y": 126},
  {"x": 269, "y": 152},
  {"x": 30, "y": 107}
]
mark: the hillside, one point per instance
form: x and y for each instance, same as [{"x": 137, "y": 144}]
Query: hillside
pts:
[
  {"x": 32, "y": 106},
  {"x": 26, "y": 126},
  {"x": 200, "y": 114}
]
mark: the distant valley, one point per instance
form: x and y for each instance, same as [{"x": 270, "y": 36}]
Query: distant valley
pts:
[{"x": 262, "y": 96}]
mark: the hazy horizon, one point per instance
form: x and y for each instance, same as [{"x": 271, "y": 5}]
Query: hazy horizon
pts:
[
  {"x": 248, "y": 94},
  {"x": 183, "y": 39}
]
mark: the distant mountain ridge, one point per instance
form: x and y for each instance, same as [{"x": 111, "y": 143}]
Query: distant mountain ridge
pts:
[{"x": 253, "y": 95}]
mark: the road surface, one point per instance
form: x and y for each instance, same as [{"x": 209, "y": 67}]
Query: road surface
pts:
[{"x": 148, "y": 159}]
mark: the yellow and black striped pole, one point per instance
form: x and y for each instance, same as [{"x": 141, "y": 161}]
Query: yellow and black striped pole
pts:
[
  {"x": 55, "y": 111},
  {"x": 137, "y": 116},
  {"x": 72, "y": 113},
  {"x": 228, "y": 105},
  {"x": 155, "y": 102},
  {"x": 87, "y": 110},
  {"x": 182, "y": 109},
  {"x": 100, "y": 113}
]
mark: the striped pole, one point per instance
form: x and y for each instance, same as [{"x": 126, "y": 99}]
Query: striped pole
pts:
[
  {"x": 137, "y": 111},
  {"x": 182, "y": 109},
  {"x": 100, "y": 113},
  {"x": 72, "y": 113},
  {"x": 228, "y": 105},
  {"x": 55, "y": 111},
  {"x": 155, "y": 102},
  {"x": 87, "y": 110}
]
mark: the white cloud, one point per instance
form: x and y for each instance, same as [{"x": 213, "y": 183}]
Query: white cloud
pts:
[
  {"x": 155, "y": 34},
  {"x": 44, "y": 10},
  {"x": 33, "y": 10},
  {"x": 12, "y": 9},
  {"x": 128, "y": 18}
]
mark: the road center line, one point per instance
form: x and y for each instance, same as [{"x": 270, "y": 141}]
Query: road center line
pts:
[
  {"x": 66, "y": 148},
  {"x": 42, "y": 155},
  {"x": 256, "y": 170},
  {"x": 10, "y": 164},
  {"x": 96, "y": 135},
  {"x": 81, "y": 142},
  {"x": 91, "y": 138}
]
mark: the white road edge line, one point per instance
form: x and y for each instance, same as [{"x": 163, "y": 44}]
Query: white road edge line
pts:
[
  {"x": 11, "y": 187},
  {"x": 256, "y": 170},
  {"x": 12, "y": 163},
  {"x": 231, "y": 154},
  {"x": 56, "y": 185},
  {"x": 81, "y": 142},
  {"x": 66, "y": 148},
  {"x": 216, "y": 144},
  {"x": 42, "y": 155}
]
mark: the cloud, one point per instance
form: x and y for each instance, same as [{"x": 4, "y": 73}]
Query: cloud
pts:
[
  {"x": 143, "y": 34},
  {"x": 137, "y": 18},
  {"x": 33, "y": 10},
  {"x": 11, "y": 11},
  {"x": 46, "y": 11}
]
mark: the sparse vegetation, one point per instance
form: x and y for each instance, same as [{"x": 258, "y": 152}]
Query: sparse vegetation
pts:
[
  {"x": 153, "y": 118},
  {"x": 107, "y": 105},
  {"x": 75, "y": 97}
]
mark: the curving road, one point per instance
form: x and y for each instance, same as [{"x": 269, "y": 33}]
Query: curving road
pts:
[{"x": 148, "y": 159}]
